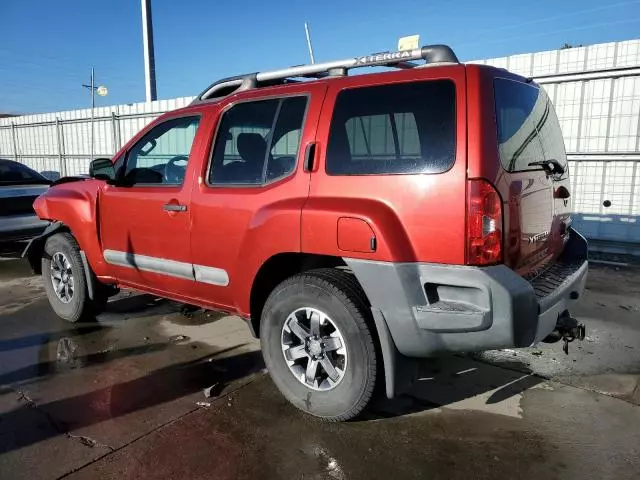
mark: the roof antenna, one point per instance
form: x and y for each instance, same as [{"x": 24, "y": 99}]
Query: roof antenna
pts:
[{"x": 306, "y": 30}]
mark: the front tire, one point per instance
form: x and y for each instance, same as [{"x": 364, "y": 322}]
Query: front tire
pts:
[
  {"x": 317, "y": 344},
  {"x": 65, "y": 281}
]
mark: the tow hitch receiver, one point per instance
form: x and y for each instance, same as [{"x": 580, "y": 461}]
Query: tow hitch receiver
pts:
[{"x": 567, "y": 329}]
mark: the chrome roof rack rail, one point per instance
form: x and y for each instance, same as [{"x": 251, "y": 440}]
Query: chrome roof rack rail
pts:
[{"x": 402, "y": 59}]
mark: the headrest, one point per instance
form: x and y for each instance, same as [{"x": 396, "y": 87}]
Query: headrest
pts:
[{"x": 251, "y": 147}]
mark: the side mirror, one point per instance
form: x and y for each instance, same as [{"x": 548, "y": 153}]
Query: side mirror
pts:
[{"x": 102, "y": 169}]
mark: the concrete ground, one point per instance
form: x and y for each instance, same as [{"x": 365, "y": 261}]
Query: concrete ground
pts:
[{"x": 124, "y": 397}]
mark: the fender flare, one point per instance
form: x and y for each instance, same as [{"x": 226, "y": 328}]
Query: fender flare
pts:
[{"x": 33, "y": 253}]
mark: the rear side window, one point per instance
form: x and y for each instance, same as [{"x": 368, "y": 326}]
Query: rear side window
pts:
[
  {"x": 528, "y": 128},
  {"x": 389, "y": 129},
  {"x": 258, "y": 141}
]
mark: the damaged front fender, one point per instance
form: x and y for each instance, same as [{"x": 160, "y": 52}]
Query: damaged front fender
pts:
[{"x": 33, "y": 250}]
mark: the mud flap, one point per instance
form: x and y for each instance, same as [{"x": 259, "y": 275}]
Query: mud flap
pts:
[
  {"x": 399, "y": 371},
  {"x": 91, "y": 287}
]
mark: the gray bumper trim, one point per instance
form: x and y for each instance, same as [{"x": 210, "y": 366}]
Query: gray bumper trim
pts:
[{"x": 432, "y": 309}]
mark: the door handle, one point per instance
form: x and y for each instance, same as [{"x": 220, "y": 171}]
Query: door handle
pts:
[
  {"x": 174, "y": 207},
  {"x": 309, "y": 156}
]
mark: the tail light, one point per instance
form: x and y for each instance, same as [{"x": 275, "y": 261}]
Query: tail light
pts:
[{"x": 484, "y": 223}]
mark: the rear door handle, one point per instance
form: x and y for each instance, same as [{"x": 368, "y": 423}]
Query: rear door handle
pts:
[
  {"x": 174, "y": 207},
  {"x": 309, "y": 156}
]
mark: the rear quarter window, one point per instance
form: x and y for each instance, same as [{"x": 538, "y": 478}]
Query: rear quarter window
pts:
[
  {"x": 527, "y": 126},
  {"x": 393, "y": 129}
]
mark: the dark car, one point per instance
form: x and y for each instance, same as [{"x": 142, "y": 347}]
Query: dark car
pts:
[{"x": 19, "y": 187}]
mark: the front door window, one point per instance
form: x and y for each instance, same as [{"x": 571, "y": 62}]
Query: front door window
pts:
[{"x": 162, "y": 155}]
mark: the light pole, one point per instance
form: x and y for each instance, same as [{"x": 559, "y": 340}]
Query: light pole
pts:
[
  {"x": 92, "y": 89},
  {"x": 102, "y": 91},
  {"x": 149, "y": 56}
]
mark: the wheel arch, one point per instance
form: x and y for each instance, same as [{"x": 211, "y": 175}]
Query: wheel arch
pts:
[
  {"x": 33, "y": 251},
  {"x": 276, "y": 269},
  {"x": 35, "y": 248},
  {"x": 399, "y": 371}
]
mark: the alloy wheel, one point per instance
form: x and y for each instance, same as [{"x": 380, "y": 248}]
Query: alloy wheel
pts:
[
  {"x": 62, "y": 277},
  {"x": 314, "y": 349}
]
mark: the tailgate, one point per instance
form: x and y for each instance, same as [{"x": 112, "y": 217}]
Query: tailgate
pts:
[{"x": 534, "y": 183}]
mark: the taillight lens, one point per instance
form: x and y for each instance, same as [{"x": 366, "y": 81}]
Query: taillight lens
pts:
[{"x": 484, "y": 223}]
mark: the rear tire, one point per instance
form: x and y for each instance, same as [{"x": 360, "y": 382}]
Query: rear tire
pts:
[
  {"x": 335, "y": 301},
  {"x": 65, "y": 281}
]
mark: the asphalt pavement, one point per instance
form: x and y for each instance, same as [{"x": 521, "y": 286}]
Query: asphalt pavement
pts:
[{"x": 153, "y": 390}]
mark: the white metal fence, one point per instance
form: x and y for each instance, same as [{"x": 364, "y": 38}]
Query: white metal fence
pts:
[
  {"x": 60, "y": 143},
  {"x": 596, "y": 93},
  {"x": 595, "y": 90}
]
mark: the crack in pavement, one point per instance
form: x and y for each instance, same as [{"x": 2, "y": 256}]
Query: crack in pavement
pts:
[
  {"x": 166, "y": 424},
  {"x": 23, "y": 396}
]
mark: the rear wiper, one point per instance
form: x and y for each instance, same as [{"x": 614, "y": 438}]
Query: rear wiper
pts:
[{"x": 551, "y": 166}]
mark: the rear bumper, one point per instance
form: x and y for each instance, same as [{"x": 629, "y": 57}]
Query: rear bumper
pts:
[
  {"x": 432, "y": 309},
  {"x": 21, "y": 227}
]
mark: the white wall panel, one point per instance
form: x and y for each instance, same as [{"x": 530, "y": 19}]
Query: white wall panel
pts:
[
  {"x": 498, "y": 62},
  {"x": 595, "y": 114},
  {"x": 521, "y": 64},
  {"x": 625, "y": 113},
  {"x": 567, "y": 104},
  {"x": 587, "y": 187},
  {"x": 545, "y": 63},
  {"x": 617, "y": 188},
  {"x": 572, "y": 60},
  {"x": 628, "y": 53},
  {"x": 601, "y": 56}
]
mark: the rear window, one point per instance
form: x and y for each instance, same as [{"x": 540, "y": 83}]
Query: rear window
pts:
[
  {"x": 528, "y": 128},
  {"x": 389, "y": 129}
]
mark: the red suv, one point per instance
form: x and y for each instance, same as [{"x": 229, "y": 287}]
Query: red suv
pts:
[{"x": 355, "y": 222}]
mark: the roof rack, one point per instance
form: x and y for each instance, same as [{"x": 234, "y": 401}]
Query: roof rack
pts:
[{"x": 401, "y": 59}]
